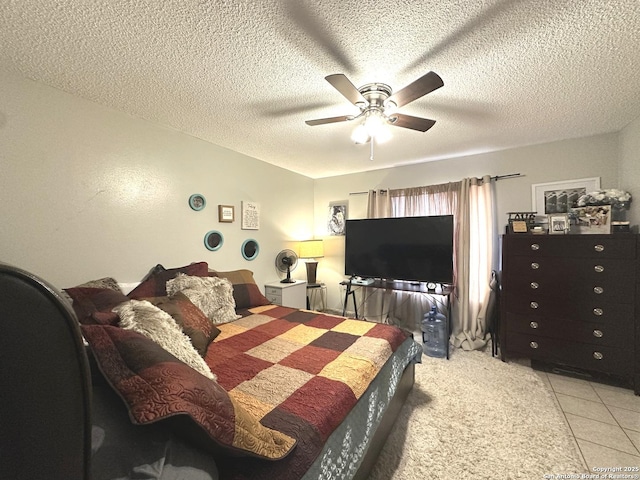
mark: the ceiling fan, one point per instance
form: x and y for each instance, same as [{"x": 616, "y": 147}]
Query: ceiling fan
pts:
[{"x": 377, "y": 104}]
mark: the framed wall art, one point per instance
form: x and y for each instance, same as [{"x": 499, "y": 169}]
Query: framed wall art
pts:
[
  {"x": 560, "y": 197},
  {"x": 337, "y": 221},
  {"x": 213, "y": 240},
  {"x": 250, "y": 216},
  {"x": 250, "y": 249},
  {"x": 197, "y": 202},
  {"x": 226, "y": 213}
]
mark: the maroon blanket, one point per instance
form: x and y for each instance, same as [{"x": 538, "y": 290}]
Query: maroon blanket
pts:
[{"x": 299, "y": 373}]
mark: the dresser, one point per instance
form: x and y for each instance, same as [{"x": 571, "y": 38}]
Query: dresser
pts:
[
  {"x": 573, "y": 301},
  {"x": 287, "y": 294}
]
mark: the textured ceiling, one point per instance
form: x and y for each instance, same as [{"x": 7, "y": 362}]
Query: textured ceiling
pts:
[{"x": 247, "y": 74}]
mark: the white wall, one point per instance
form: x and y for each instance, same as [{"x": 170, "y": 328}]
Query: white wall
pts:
[
  {"x": 630, "y": 167},
  {"x": 565, "y": 160},
  {"x": 87, "y": 192}
]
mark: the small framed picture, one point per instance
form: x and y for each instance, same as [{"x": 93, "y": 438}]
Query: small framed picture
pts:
[
  {"x": 519, "y": 226},
  {"x": 559, "y": 224},
  {"x": 226, "y": 213},
  {"x": 593, "y": 219}
]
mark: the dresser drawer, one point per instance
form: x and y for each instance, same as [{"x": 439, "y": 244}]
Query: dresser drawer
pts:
[
  {"x": 600, "y": 358},
  {"x": 586, "y": 310},
  {"x": 582, "y": 332},
  {"x": 612, "y": 279},
  {"x": 272, "y": 291},
  {"x": 577, "y": 246},
  {"x": 274, "y": 295}
]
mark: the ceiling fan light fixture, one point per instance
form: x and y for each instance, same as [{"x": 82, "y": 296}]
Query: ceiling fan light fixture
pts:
[
  {"x": 360, "y": 135},
  {"x": 383, "y": 135},
  {"x": 378, "y": 104},
  {"x": 390, "y": 106}
]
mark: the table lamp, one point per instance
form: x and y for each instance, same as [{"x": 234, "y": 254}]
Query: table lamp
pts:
[{"x": 310, "y": 250}]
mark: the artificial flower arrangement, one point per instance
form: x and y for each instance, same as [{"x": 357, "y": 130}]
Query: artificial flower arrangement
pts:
[{"x": 618, "y": 199}]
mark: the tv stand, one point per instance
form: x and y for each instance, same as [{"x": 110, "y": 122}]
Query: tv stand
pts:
[{"x": 399, "y": 286}]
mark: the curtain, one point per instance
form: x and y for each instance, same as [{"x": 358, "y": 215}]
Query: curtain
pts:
[
  {"x": 379, "y": 204},
  {"x": 475, "y": 222},
  {"x": 374, "y": 302},
  {"x": 471, "y": 203},
  {"x": 404, "y": 308}
]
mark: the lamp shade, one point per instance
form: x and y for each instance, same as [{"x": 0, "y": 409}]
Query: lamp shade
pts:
[{"x": 311, "y": 249}]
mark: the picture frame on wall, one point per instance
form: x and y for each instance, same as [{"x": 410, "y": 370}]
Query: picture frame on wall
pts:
[
  {"x": 560, "y": 197},
  {"x": 250, "y": 216},
  {"x": 337, "y": 220},
  {"x": 226, "y": 213}
]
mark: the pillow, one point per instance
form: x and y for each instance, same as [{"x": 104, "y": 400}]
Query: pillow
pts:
[
  {"x": 214, "y": 296},
  {"x": 156, "y": 387},
  {"x": 245, "y": 291},
  {"x": 190, "y": 318},
  {"x": 95, "y": 305},
  {"x": 157, "y": 325},
  {"x": 106, "y": 282},
  {"x": 154, "y": 283}
]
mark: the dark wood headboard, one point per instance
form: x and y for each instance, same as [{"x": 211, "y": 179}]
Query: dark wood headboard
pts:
[{"x": 45, "y": 384}]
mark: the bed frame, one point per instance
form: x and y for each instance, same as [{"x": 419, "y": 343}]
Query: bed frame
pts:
[{"x": 45, "y": 398}]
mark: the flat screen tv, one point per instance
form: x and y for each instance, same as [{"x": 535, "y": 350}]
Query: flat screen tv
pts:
[{"x": 418, "y": 249}]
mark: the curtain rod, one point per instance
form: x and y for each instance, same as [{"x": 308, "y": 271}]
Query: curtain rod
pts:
[{"x": 496, "y": 177}]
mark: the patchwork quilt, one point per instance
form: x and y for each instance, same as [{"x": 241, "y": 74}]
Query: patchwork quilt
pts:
[{"x": 299, "y": 373}]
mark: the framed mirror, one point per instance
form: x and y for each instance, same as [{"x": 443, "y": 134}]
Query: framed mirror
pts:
[
  {"x": 213, "y": 240},
  {"x": 250, "y": 249},
  {"x": 197, "y": 202}
]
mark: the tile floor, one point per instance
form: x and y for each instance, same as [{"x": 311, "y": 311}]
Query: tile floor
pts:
[{"x": 605, "y": 420}]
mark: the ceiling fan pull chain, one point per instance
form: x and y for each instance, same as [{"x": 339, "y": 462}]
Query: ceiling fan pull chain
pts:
[{"x": 372, "y": 140}]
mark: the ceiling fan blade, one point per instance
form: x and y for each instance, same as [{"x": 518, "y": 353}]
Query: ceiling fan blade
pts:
[
  {"x": 322, "y": 121},
  {"x": 341, "y": 83},
  {"x": 414, "y": 123},
  {"x": 425, "y": 84}
]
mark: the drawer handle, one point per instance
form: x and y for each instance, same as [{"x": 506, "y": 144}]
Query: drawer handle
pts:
[
  {"x": 535, "y": 266},
  {"x": 535, "y": 285},
  {"x": 598, "y": 333},
  {"x": 598, "y": 355},
  {"x": 599, "y": 268},
  {"x": 533, "y": 344},
  {"x": 535, "y": 246},
  {"x": 598, "y": 290},
  {"x": 535, "y": 325},
  {"x": 599, "y": 248},
  {"x": 534, "y": 305},
  {"x": 598, "y": 312}
]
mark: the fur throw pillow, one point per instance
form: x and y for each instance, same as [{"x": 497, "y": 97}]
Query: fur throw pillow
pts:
[
  {"x": 212, "y": 295},
  {"x": 145, "y": 318}
]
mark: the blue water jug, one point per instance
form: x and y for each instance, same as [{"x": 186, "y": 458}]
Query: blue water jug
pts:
[{"x": 434, "y": 333}]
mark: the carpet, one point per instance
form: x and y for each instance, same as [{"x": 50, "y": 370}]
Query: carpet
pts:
[{"x": 476, "y": 417}]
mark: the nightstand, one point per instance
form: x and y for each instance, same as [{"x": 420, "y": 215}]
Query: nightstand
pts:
[{"x": 292, "y": 295}]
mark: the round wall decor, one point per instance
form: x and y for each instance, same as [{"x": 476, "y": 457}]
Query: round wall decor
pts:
[
  {"x": 250, "y": 249},
  {"x": 213, "y": 240},
  {"x": 197, "y": 201}
]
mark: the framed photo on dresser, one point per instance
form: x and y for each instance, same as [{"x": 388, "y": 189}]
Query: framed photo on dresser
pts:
[
  {"x": 559, "y": 224},
  {"x": 593, "y": 219}
]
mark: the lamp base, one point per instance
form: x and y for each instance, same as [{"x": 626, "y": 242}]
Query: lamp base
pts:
[{"x": 312, "y": 267}]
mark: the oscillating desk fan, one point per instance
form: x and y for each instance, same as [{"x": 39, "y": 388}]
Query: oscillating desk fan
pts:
[{"x": 285, "y": 262}]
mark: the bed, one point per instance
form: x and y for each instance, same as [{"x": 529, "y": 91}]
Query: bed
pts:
[{"x": 271, "y": 392}]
